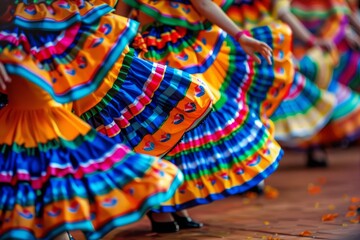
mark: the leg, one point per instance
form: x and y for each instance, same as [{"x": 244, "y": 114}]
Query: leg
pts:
[
  {"x": 64, "y": 236},
  {"x": 316, "y": 157},
  {"x": 162, "y": 222},
  {"x": 184, "y": 221}
]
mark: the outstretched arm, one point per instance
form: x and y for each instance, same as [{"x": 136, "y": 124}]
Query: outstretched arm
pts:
[
  {"x": 4, "y": 77},
  {"x": 353, "y": 6},
  {"x": 355, "y": 22},
  {"x": 215, "y": 14},
  {"x": 352, "y": 38},
  {"x": 301, "y": 32},
  {"x": 122, "y": 9},
  {"x": 352, "y": 31}
]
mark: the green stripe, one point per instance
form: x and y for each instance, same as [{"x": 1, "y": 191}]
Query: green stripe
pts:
[
  {"x": 211, "y": 171},
  {"x": 114, "y": 90},
  {"x": 74, "y": 51},
  {"x": 229, "y": 74},
  {"x": 84, "y": 89},
  {"x": 346, "y": 108},
  {"x": 318, "y": 14},
  {"x": 167, "y": 20},
  {"x": 157, "y": 56},
  {"x": 50, "y": 144}
]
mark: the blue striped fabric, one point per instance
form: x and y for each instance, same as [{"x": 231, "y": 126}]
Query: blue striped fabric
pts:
[
  {"x": 296, "y": 113},
  {"x": 80, "y": 90},
  {"x": 131, "y": 83},
  {"x": 234, "y": 132},
  {"x": 239, "y": 77},
  {"x": 87, "y": 151},
  {"x": 49, "y": 25}
]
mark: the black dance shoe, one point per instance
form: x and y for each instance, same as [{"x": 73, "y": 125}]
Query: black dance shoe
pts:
[
  {"x": 70, "y": 237},
  {"x": 316, "y": 158},
  {"x": 258, "y": 189},
  {"x": 186, "y": 222},
  {"x": 162, "y": 227}
]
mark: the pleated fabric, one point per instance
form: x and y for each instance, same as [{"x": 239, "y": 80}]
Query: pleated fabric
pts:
[
  {"x": 329, "y": 20},
  {"x": 145, "y": 105},
  {"x": 82, "y": 48},
  {"x": 233, "y": 148},
  {"x": 344, "y": 125},
  {"x": 306, "y": 109},
  {"x": 58, "y": 45},
  {"x": 57, "y": 173}
]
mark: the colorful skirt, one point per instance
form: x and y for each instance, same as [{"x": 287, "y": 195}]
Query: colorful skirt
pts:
[
  {"x": 145, "y": 105},
  {"x": 218, "y": 59},
  {"x": 344, "y": 125},
  {"x": 304, "y": 112},
  {"x": 57, "y": 174},
  {"x": 182, "y": 39},
  {"x": 306, "y": 109},
  {"x": 248, "y": 14},
  {"x": 348, "y": 70},
  {"x": 232, "y": 150},
  {"x": 328, "y": 19},
  {"x": 74, "y": 46}
]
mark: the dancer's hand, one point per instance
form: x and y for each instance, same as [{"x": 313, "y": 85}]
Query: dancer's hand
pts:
[
  {"x": 352, "y": 39},
  {"x": 325, "y": 44},
  {"x": 213, "y": 13},
  {"x": 4, "y": 77},
  {"x": 252, "y": 46}
]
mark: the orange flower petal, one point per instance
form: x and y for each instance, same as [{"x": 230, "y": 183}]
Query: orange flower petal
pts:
[
  {"x": 329, "y": 217},
  {"x": 355, "y": 199},
  {"x": 306, "y": 234},
  {"x": 273, "y": 238},
  {"x": 271, "y": 192},
  {"x": 251, "y": 195},
  {"x": 350, "y": 214},
  {"x": 353, "y": 208},
  {"x": 313, "y": 189},
  {"x": 355, "y": 220}
]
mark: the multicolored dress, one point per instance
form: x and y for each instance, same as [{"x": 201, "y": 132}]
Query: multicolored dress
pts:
[
  {"x": 335, "y": 72},
  {"x": 57, "y": 174},
  {"x": 233, "y": 149},
  {"x": 344, "y": 125},
  {"x": 145, "y": 105},
  {"x": 328, "y": 19},
  {"x": 306, "y": 109}
]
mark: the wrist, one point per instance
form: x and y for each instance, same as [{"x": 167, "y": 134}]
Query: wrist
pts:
[
  {"x": 311, "y": 41},
  {"x": 239, "y": 34}
]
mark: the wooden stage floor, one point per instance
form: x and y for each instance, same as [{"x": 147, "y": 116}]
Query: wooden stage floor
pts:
[{"x": 315, "y": 203}]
